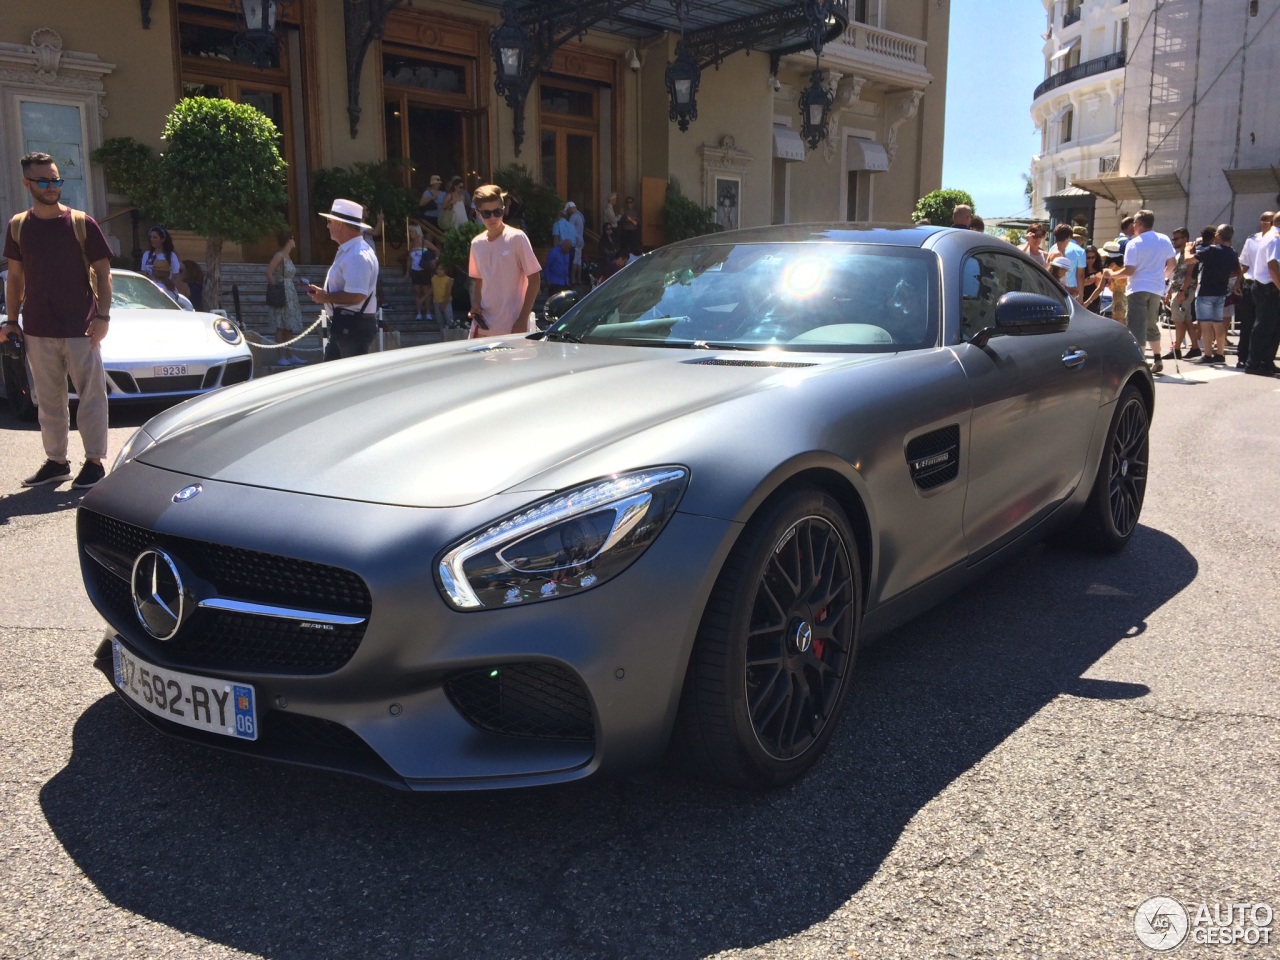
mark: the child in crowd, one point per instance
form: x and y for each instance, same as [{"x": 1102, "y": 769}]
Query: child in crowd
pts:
[
  {"x": 442, "y": 294},
  {"x": 421, "y": 266}
]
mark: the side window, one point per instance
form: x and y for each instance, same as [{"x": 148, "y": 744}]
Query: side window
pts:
[{"x": 986, "y": 277}]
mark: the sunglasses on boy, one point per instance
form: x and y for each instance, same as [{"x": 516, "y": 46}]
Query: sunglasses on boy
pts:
[
  {"x": 44, "y": 183},
  {"x": 490, "y": 213}
]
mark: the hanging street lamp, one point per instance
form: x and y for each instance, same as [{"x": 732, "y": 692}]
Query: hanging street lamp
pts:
[
  {"x": 256, "y": 43},
  {"x": 512, "y": 47},
  {"x": 815, "y": 107},
  {"x": 683, "y": 76}
]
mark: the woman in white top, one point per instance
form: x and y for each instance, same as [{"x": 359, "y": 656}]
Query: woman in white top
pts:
[
  {"x": 160, "y": 263},
  {"x": 610, "y": 217}
]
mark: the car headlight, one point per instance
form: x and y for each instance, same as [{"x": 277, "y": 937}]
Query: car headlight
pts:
[
  {"x": 568, "y": 543},
  {"x": 227, "y": 330},
  {"x": 139, "y": 442}
]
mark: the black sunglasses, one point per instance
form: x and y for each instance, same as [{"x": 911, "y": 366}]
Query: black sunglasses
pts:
[
  {"x": 490, "y": 214},
  {"x": 44, "y": 183}
]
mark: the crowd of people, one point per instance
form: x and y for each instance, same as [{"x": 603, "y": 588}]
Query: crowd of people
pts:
[{"x": 1201, "y": 286}]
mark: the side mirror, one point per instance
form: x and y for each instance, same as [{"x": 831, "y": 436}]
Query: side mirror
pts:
[
  {"x": 557, "y": 306},
  {"x": 1025, "y": 314}
]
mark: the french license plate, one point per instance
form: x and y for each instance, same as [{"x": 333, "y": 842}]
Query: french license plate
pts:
[
  {"x": 171, "y": 370},
  {"x": 215, "y": 706}
]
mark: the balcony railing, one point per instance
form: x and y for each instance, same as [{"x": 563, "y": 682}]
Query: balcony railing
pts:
[
  {"x": 882, "y": 43},
  {"x": 1090, "y": 68},
  {"x": 1070, "y": 17}
]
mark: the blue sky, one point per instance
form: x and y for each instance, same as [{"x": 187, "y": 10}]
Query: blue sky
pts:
[{"x": 993, "y": 67}]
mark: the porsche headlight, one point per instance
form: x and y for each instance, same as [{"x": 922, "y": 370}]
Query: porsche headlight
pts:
[
  {"x": 568, "y": 543},
  {"x": 139, "y": 442},
  {"x": 227, "y": 330}
]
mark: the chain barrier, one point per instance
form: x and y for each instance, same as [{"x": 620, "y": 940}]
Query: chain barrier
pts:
[{"x": 288, "y": 343}]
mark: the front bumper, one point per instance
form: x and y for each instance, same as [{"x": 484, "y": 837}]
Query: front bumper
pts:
[{"x": 589, "y": 683}]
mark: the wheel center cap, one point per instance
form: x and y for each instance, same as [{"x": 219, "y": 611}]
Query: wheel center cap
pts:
[
  {"x": 801, "y": 636},
  {"x": 1124, "y": 468}
]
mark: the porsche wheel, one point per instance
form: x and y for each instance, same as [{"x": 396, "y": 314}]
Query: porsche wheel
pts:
[
  {"x": 774, "y": 656},
  {"x": 1115, "y": 504},
  {"x": 17, "y": 387}
]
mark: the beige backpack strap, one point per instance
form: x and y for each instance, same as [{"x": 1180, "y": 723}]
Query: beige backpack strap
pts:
[
  {"x": 82, "y": 234},
  {"x": 15, "y": 224}
]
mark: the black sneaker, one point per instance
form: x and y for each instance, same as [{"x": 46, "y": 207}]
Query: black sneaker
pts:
[
  {"x": 51, "y": 472},
  {"x": 89, "y": 474},
  {"x": 1191, "y": 354}
]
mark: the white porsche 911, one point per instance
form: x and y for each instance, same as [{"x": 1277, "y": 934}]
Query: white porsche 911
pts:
[{"x": 155, "y": 351}]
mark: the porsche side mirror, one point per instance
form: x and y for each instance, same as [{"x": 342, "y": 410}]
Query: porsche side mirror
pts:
[{"x": 1025, "y": 314}]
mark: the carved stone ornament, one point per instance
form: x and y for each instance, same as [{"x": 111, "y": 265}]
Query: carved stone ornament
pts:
[
  {"x": 898, "y": 109},
  {"x": 845, "y": 91},
  {"x": 46, "y": 44},
  {"x": 724, "y": 155}
]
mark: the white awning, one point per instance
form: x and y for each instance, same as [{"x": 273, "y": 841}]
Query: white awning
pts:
[
  {"x": 1066, "y": 49},
  {"x": 787, "y": 144},
  {"x": 866, "y": 155}
]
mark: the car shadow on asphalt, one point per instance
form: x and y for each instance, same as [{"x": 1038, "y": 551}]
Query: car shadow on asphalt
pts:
[{"x": 288, "y": 863}]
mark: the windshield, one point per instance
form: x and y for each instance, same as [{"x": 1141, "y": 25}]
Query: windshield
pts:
[
  {"x": 129, "y": 292},
  {"x": 858, "y": 298}
]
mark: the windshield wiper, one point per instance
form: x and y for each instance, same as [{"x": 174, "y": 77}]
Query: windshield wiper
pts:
[{"x": 562, "y": 336}]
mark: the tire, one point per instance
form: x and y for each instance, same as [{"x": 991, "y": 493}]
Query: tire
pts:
[
  {"x": 774, "y": 655},
  {"x": 17, "y": 388},
  {"x": 1111, "y": 514}
]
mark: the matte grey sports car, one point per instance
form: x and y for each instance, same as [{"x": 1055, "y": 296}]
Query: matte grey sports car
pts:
[{"x": 673, "y": 516}]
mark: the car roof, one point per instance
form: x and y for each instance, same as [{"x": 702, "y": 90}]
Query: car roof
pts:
[{"x": 892, "y": 234}]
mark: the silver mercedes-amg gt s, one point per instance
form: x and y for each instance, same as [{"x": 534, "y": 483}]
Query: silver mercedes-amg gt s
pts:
[{"x": 669, "y": 518}]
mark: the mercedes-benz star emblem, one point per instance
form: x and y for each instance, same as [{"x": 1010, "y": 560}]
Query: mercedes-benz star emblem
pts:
[
  {"x": 802, "y": 637},
  {"x": 187, "y": 493},
  {"x": 159, "y": 596}
]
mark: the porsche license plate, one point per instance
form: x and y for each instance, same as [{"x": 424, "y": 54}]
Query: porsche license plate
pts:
[
  {"x": 170, "y": 370},
  {"x": 204, "y": 703}
]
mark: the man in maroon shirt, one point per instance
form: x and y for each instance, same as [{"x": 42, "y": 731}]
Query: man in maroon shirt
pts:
[{"x": 63, "y": 320}]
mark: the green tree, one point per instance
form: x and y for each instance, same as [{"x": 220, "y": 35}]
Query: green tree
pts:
[
  {"x": 455, "y": 251},
  {"x": 379, "y": 187},
  {"x": 683, "y": 218},
  {"x": 133, "y": 169},
  {"x": 222, "y": 176},
  {"x": 936, "y": 207}
]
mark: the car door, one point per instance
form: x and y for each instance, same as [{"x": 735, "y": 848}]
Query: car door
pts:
[{"x": 1035, "y": 403}]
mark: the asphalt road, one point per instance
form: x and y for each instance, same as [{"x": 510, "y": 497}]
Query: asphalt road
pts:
[{"x": 1020, "y": 768}]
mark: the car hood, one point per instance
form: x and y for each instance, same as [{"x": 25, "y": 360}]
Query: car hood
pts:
[
  {"x": 451, "y": 424},
  {"x": 163, "y": 335}
]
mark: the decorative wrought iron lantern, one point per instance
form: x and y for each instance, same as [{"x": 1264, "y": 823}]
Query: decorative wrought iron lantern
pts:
[
  {"x": 683, "y": 76},
  {"x": 815, "y": 108},
  {"x": 511, "y": 46},
  {"x": 256, "y": 42}
]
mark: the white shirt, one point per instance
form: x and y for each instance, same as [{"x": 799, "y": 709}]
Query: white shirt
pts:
[
  {"x": 1148, "y": 252},
  {"x": 1267, "y": 249},
  {"x": 354, "y": 270}
]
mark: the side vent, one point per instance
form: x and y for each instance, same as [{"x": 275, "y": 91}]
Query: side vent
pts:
[{"x": 934, "y": 458}]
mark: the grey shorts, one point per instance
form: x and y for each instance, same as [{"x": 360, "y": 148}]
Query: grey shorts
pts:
[{"x": 1143, "y": 316}]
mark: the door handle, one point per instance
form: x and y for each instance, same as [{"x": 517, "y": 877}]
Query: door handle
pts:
[{"x": 1074, "y": 357}]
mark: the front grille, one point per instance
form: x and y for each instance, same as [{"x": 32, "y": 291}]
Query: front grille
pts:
[
  {"x": 238, "y": 371},
  {"x": 222, "y": 639},
  {"x": 122, "y": 381},
  {"x": 170, "y": 384},
  {"x": 536, "y": 700}
]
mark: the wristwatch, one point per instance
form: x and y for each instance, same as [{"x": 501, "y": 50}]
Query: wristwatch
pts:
[{"x": 104, "y": 317}]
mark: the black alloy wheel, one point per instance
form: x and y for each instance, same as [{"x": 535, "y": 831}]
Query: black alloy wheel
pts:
[
  {"x": 775, "y": 653},
  {"x": 1115, "y": 503}
]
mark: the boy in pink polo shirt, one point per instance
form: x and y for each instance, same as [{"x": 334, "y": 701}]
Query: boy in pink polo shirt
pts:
[{"x": 505, "y": 269}]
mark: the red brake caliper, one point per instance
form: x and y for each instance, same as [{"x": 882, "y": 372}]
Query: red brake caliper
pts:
[{"x": 818, "y": 643}]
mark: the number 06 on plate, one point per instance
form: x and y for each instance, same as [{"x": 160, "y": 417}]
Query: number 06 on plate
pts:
[{"x": 204, "y": 703}]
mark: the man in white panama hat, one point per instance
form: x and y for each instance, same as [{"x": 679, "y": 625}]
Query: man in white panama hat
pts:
[{"x": 349, "y": 294}]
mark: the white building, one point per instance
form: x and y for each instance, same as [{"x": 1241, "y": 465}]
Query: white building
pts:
[
  {"x": 1078, "y": 107},
  {"x": 1200, "y": 122}
]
